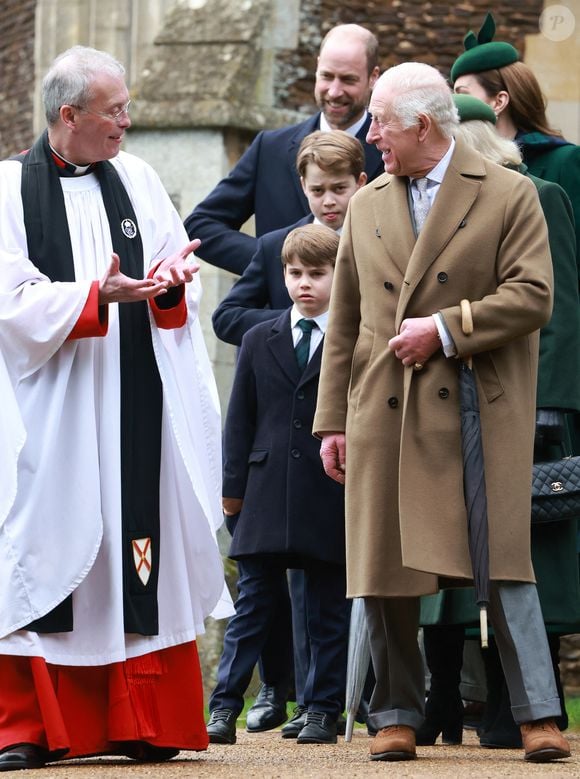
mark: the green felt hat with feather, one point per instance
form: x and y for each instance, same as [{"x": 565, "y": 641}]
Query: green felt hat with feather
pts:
[{"x": 482, "y": 52}]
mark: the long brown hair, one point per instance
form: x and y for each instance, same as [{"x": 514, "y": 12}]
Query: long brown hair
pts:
[{"x": 527, "y": 106}]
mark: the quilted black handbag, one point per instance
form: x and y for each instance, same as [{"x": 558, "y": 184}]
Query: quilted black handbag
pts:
[{"x": 556, "y": 490}]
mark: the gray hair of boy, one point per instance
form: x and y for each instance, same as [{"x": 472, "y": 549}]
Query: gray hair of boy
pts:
[
  {"x": 484, "y": 138},
  {"x": 69, "y": 79},
  {"x": 420, "y": 89}
]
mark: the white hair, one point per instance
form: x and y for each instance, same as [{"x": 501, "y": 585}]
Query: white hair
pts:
[
  {"x": 420, "y": 89},
  {"x": 485, "y": 139},
  {"x": 69, "y": 79}
]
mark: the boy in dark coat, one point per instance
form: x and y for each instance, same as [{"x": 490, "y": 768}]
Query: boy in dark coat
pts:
[
  {"x": 331, "y": 169},
  {"x": 287, "y": 513}
]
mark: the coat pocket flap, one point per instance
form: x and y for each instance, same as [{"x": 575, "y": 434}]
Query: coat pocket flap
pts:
[
  {"x": 488, "y": 376},
  {"x": 257, "y": 456}
]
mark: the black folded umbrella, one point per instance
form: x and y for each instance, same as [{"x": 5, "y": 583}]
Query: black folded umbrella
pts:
[{"x": 474, "y": 479}]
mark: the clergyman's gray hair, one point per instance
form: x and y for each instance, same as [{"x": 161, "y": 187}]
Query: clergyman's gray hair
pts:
[
  {"x": 421, "y": 89},
  {"x": 69, "y": 79}
]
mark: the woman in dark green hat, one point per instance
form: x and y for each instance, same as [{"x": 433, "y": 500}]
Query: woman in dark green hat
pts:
[
  {"x": 445, "y": 615},
  {"x": 491, "y": 71}
]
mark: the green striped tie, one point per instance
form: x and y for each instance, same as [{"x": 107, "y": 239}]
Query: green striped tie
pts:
[{"x": 302, "y": 348}]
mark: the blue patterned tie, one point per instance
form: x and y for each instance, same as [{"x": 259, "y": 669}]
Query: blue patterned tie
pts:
[
  {"x": 302, "y": 348},
  {"x": 422, "y": 205}
]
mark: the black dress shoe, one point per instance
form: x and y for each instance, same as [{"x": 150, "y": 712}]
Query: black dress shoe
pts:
[
  {"x": 500, "y": 739},
  {"x": 341, "y": 725},
  {"x": 503, "y": 733},
  {"x": 221, "y": 727},
  {"x": 444, "y": 707},
  {"x": 320, "y": 728},
  {"x": 472, "y": 714},
  {"x": 20, "y": 756},
  {"x": 296, "y": 722},
  {"x": 268, "y": 711},
  {"x": 443, "y": 715},
  {"x": 143, "y": 752}
]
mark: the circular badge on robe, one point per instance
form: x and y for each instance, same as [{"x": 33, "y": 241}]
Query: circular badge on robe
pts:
[{"x": 129, "y": 228}]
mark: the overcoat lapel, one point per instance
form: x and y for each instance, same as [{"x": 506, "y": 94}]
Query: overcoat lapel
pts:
[
  {"x": 282, "y": 348},
  {"x": 281, "y": 345},
  {"x": 393, "y": 220},
  {"x": 313, "y": 368},
  {"x": 459, "y": 190}
]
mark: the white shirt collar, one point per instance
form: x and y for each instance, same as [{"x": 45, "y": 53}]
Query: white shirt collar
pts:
[
  {"x": 318, "y": 222},
  {"x": 321, "y": 320},
  {"x": 438, "y": 172},
  {"x": 352, "y": 130}
]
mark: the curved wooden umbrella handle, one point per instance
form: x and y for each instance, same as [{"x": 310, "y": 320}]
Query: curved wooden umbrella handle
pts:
[
  {"x": 466, "y": 324},
  {"x": 466, "y": 317}
]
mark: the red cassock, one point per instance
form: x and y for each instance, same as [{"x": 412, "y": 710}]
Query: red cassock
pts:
[{"x": 78, "y": 711}]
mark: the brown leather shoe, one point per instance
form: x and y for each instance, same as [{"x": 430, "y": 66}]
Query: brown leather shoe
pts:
[
  {"x": 396, "y": 742},
  {"x": 543, "y": 741}
]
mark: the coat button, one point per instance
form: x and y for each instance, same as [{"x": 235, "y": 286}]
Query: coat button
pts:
[
  {"x": 297, "y": 423},
  {"x": 442, "y": 277},
  {"x": 300, "y": 394},
  {"x": 388, "y": 286},
  {"x": 443, "y": 393},
  {"x": 296, "y": 454},
  {"x": 393, "y": 402}
]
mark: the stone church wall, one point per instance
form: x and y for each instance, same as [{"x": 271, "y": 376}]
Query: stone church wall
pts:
[
  {"x": 16, "y": 74},
  {"x": 407, "y": 30}
]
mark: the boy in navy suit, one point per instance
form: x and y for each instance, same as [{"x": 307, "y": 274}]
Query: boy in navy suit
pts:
[{"x": 287, "y": 513}]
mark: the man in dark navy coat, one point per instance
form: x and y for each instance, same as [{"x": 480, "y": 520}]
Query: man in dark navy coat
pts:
[
  {"x": 264, "y": 182},
  {"x": 285, "y": 512}
]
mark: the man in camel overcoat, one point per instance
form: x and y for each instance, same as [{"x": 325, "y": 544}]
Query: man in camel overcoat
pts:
[{"x": 442, "y": 226}]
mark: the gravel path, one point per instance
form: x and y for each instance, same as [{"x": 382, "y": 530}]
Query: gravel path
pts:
[{"x": 268, "y": 756}]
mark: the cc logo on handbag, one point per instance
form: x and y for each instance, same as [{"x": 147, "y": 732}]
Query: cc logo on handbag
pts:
[{"x": 557, "y": 486}]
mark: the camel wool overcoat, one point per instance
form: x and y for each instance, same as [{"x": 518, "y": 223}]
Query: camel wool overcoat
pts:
[{"x": 484, "y": 240}]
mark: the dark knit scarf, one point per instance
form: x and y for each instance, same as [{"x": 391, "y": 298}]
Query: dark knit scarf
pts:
[
  {"x": 49, "y": 248},
  {"x": 535, "y": 144}
]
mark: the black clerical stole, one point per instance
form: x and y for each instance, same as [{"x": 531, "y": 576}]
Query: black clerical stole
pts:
[{"x": 49, "y": 247}]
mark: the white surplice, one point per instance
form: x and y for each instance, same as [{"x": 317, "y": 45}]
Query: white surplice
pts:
[{"x": 60, "y": 486}]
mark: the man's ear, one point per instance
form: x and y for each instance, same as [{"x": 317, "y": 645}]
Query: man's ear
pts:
[
  {"x": 424, "y": 124},
  {"x": 374, "y": 76},
  {"x": 68, "y": 115}
]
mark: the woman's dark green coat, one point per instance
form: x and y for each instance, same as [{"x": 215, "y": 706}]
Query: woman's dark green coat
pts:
[{"x": 555, "y": 159}]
